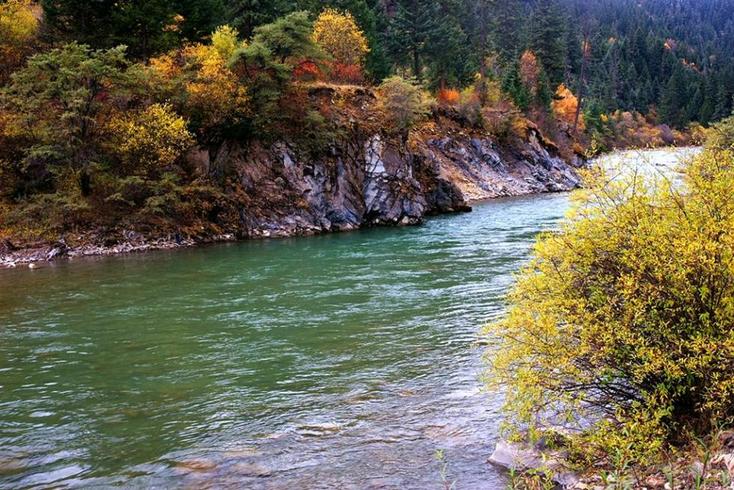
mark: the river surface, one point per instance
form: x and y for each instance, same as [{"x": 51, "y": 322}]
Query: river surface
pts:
[{"x": 338, "y": 361}]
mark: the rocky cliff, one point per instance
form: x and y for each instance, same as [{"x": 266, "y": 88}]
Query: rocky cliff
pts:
[{"x": 377, "y": 181}]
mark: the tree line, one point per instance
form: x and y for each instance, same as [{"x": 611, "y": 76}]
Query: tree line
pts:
[{"x": 670, "y": 57}]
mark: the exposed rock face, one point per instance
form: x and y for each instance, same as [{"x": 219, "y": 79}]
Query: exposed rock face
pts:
[
  {"x": 374, "y": 181},
  {"x": 366, "y": 180},
  {"x": 483, "y": 170}
]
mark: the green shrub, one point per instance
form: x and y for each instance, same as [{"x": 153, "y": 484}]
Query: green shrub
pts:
[{"x": 402, "y": 104}]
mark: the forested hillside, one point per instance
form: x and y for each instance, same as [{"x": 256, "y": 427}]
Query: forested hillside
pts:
[
  {"x": 634, "y": 55},
  {"x": 132, "y": 114}
]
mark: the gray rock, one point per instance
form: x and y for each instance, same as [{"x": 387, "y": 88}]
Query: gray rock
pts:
[{"x": 522, "y": 457}]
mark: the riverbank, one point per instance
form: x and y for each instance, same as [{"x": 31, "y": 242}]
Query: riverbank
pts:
[
  {"x": 368, "y": 181},
  {"x": 471, "y": 166}
]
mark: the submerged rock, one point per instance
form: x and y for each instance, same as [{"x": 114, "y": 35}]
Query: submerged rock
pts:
[
  {"x": 252, "y": 470},
  {"x": 196, "y": 465}
]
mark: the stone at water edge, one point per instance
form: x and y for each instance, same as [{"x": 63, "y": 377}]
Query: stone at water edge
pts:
[
  {"x": 515, "y": 457},
  {"x": 521, "y": 458}
]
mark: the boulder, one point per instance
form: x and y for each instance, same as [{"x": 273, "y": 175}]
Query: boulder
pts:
[{"x": 521, "y": 457}]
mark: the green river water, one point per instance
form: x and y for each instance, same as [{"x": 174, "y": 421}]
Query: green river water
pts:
[{"x": 338, "y": 361}]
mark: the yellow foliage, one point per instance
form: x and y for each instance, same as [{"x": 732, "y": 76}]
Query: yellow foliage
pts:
[
  {"x": 18, "y": 22},
  {"x": 199, "y": 76},
  {"x": 624, "y": 319},
  {"x": 19, "y": 25},
  {"x": 402, "y": 104},
  {"x": 214, "y": 89},
  {"x": 340, "y": 36},
  {"x": 149, "y": 140},
  {"x": 565, "y": 105},
  {"x": 225, "y": 42}
]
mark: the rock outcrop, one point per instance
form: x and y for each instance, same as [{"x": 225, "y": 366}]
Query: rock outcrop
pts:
[
  {"x": 376, "y": 181},
  {"x": 366, "y": 179}
]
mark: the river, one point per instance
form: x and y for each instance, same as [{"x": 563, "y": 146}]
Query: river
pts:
[{"x": 337, "y": 361}]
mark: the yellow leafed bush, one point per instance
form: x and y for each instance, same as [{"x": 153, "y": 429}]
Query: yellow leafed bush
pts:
[
  {"x": 18, "y": 27},
  {"x": 624, "y": 319},
  {"x": 402, "y": 104},
  {"x": 149, "y": 140}
]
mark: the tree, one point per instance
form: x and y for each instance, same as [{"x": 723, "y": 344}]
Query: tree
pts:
[
  {"x": 148, "y": 141},
  {"x": 246, "y": 15},
  {"x": 402, "y": 104},
  {"x": 448, "y": 55},
  {"x": 199, "y": 82},
  {"x": 410, "y": 31},
  {"x": 59, "y": 103},
  {"x": 674, "y": 98},
  {"x": 512, "y": 84},
  {"x": 565, "y": 107},
  {"x": 146, "y": 27},
  {"x": 86, "y": 22},
  {"x": 548, "y": 39},
  {"x": 340, "y": 37},
  {"x": 530, "y": 72},
  {"x": 623, "y": 319},
  {"x": 18, "y": 29},
  {"x": 267, "y": 63},
  {"x": 507, "y": 28}
]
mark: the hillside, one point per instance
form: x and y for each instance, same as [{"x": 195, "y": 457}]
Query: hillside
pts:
[{"x": 181, "y": 122}]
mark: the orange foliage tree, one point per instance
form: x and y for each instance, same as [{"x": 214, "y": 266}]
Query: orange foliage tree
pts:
[
  {"x": 564, "y": 106},
  {"x": 448, "y": 96},
  {"x": 530, "y": 71}
]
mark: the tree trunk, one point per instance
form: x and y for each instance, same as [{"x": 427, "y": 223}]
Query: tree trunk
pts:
[{"x": 582, "y": 81}]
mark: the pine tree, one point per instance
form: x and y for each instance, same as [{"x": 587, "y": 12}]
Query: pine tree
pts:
[
  {"x": 147, "y": 27},
  {"x": 507, "y": 27},
  {"x": 673, "y": 100},
  {"x": 246, "y": 15},
  {"x": 723, "y": 104},
  {"x": 548, "y": 39},
  {"x": 410, "y": 33}
]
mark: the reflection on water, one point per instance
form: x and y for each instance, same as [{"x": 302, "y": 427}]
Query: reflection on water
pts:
[{"x": 337, "y": 361}]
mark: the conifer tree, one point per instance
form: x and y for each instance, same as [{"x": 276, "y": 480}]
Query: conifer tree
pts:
[
  {"x": 411, "y": 31},
  {"x": 548, "y": 39}
]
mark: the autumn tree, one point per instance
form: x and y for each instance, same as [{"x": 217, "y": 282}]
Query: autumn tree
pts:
[
  {"x": 201, "y": 84},
  {"x": 530, "y": 72},
  {"x": 148, "y": 141},
  {"x": 402, "y": 104},
  {"x": 565, "y": 107},
  {"x": 19, "y": 26},
  {"x": 57, "y": 105},
  {"x": 341, "y": 38}
]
